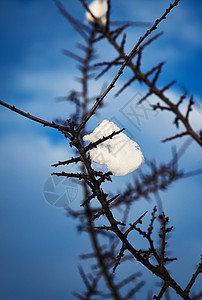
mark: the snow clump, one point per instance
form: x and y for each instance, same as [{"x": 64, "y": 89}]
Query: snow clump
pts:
[
  {"x": 121, "y": 154},
  {"x": 99, "y": 9}
]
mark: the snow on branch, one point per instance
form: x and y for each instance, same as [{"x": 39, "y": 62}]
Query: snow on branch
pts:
[
  {"x": 121, "y": 154},
  {"x": 97, "y": 12}
]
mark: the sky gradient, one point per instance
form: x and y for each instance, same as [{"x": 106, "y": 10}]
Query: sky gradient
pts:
[{"x": 39, "y": 245}]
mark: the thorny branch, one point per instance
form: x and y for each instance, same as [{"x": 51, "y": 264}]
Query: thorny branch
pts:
[
  {"x": 193, "y": 279},
  {"x": 63, "y": 129},
  {"x": 127, "y": 58},
  {"x": 151, "y": 84},
  {"x": 114, "y": 226},
  {"x": 93, "y": 180}
]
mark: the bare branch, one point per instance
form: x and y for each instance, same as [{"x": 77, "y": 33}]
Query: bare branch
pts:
[
  {"x": 61, "y": 128},
  {"x": 189, "y": 108},
  {"x": 73, "y": 55},
  {"x": 134, "y": 290},
  {"x": 175, "y": 137},
  {"x": 150, "y": 228},
  {"x": 72, "y": 175},
  {"x": 127, "y": 59},
  {"x": 168, "y": 86},
  {"x": 121, "y": 254},
  {"x": 138, "y": 221},
  {"x": 162, "y": 291},
  {"x": 67, "y": 162},
  {"x": 79, "y": 27},
  {"x": 126, "y": 85},
  {"x": 130, "y": 278},
  {"x": 105, "y": 138},
  {"x": 193, "y": 279},
  {"x": 88, "y": 199}
]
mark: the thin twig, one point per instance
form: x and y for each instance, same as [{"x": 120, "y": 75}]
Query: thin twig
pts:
[
  {"x": 127, "y": 60},
  {"x": 67, "y": 162},
  {"x": 193, "y": 279},
  {"x": 61, "y": 128}
]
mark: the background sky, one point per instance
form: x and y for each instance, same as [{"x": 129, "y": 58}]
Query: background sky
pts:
[{"x": 39, "y": 245}]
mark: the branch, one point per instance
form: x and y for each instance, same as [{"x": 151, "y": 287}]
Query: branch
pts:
[
  {"x": 164, "y": 230},
  {"x": 125, "y": 85},
  {"x": 72, "y": 175},
  {"x": 189, "y": 109},
  {"x": 79, "y": 27},
  {"x": 162, "y": 291},
  {"x": 88, "y": 199},
  {"x": 102, "y": 211},
  {"x": 61, "y": 128},
  {"x": 138, "y": 221},
  {"x": 127, "y": 60},
  {"x": 193, "y": 279},
  {"x": 153, "y": 89},
  {"x": 110, "y": 64},
  {"x": 73, "y": 55},
  {"x": 121, "y": 254},
  {"x": 175, "y": 137},
  {"x": 151, "y": 225},
  {"x": 105, "y": 138},
  {"x": 67, "y": 162},
  {"x": 168, "y": 86},
  {"x": 134, "y": 290},
  {"x": 130, "y": 278},
  {"x": 123, "y": 248}
]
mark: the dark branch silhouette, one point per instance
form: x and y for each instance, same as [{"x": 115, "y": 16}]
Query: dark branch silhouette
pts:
[{"x": 96, "y": 213}]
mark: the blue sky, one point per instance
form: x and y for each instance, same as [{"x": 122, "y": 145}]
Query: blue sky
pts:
[{"x": 39, "y": 245}]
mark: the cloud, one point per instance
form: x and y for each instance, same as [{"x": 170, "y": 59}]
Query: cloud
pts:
[
  {"x": 26, "y": 158},
  {"x": 35, "y": 236},
  {"x": 29, "y": 224}
]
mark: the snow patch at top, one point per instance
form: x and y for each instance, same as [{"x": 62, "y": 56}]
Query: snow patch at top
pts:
[
  {"x": 121, "y": 154},
  {"x": 99, "y": 9}
]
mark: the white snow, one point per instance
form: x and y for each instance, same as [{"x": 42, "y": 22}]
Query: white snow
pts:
[
  {"x": 121, "y": 154},
  {"x": 99, "y": 10}
]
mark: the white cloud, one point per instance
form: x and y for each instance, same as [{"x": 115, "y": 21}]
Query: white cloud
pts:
[
  {"x": 35, "y": 151},
  {"x": 41, "y": 89}
]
